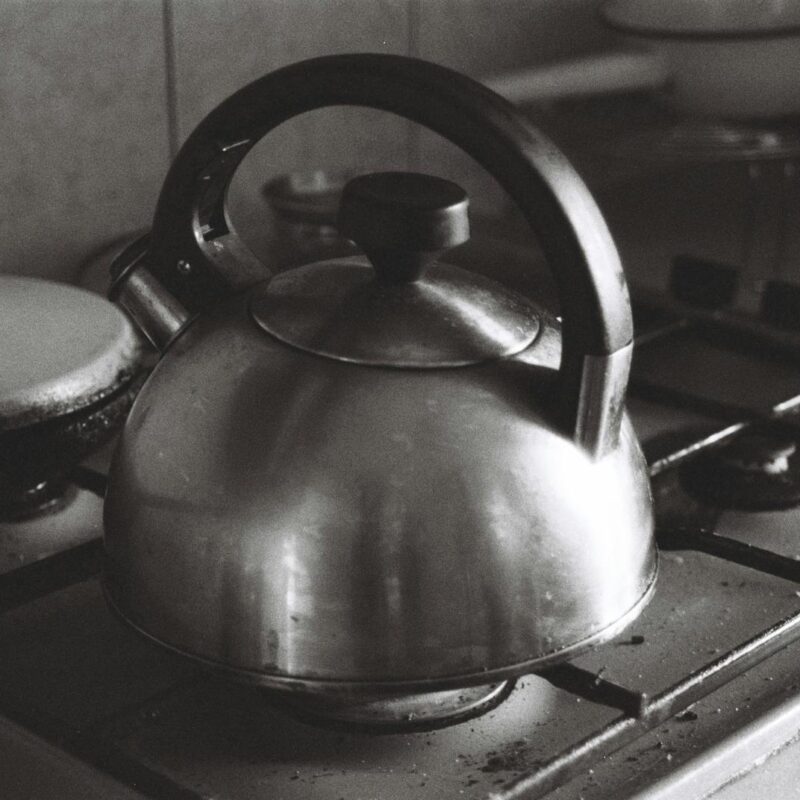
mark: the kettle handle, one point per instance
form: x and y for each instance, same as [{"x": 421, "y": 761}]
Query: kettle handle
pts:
[{"x": 197, "y": 255}]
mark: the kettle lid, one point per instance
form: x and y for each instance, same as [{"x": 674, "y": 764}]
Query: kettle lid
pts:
[{"x": 398, "y": 307}]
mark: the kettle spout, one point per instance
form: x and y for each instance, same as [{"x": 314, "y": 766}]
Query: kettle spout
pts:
[{"x": 157, "y": 314}]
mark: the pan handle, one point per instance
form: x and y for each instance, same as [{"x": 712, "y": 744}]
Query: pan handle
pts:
[
  {"x": 602, "y": 73},
  {"x": 197, "y": 255}
]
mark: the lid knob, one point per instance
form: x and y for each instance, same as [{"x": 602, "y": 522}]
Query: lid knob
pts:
[{"x": 403, "y": 221}]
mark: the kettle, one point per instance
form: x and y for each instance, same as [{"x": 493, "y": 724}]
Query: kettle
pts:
[{"x": 384, "y": 473}]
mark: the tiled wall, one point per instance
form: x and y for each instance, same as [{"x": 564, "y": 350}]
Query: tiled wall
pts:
[
  {"x": 82, "y": 127},
  {"x": 97, "y": 93}
]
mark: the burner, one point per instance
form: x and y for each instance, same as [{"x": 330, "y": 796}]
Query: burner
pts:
[
  {"x": 21, "y": 502},
  {"x": 396, "y": 713},
  {"x": 757, "y": 472},
  {"x": 68, "y": 519}
]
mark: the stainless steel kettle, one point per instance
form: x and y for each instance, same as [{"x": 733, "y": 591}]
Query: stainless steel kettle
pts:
[{"x": 389, "y": 476}]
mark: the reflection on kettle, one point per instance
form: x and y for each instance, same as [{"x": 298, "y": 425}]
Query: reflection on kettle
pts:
[{"x": 379, "y": 476}]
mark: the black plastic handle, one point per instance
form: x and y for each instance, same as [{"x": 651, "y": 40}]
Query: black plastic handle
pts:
[{"x": 197, "y": 255}]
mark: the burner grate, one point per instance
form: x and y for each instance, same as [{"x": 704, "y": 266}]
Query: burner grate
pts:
[{"x": 639, "y": 714}]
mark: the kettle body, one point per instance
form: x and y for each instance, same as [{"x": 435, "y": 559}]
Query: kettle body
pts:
[
  {"x": 360, "y": 478},
  {"x": 338, "y": 522}
]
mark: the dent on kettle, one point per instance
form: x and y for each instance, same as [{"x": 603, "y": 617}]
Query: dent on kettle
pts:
[{"x": 346, "y": 516}]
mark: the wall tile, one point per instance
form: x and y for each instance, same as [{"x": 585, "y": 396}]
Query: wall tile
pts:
[
  {"x": 85, "y": 105},
  {"x": 222, "y": 45},
  {"x": 83, "y": 127}
]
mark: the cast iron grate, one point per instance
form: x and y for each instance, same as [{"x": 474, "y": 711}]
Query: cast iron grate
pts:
[{"x": 639, "y": 713}]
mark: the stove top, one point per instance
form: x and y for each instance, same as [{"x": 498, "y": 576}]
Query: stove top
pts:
[{"x": 702, "y": 684}]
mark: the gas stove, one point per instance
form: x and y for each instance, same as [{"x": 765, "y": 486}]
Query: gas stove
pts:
[{"x": 701, "y": 687}]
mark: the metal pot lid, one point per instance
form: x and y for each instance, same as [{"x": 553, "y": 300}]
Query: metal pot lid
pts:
[
  {"x": 63, "y": 349},
  {"x": 448, "y": 318},
  {"x": 400, "y": 308},
  {"x": 306, "y": 197}
]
